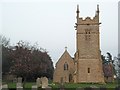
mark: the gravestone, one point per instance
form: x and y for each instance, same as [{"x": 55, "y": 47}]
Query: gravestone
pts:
[
  {"x": 5, "y": 87},
  {"x": 15, "y": 80},
  {"x": 19, "y": 80},
  {"x": 19, "y": 85},
  {"x": 34, "y": 87},
  {"x": 38, "y": 82},
  {"x": 19, "y": 88},
  {"x": 44, "y": 81}
]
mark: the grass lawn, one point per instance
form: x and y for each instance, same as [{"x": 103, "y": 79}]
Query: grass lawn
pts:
[
  {"x": 73, "y": 86},
  {"x": 84, "y": 85},
  {"x": 12, "y": 85}
]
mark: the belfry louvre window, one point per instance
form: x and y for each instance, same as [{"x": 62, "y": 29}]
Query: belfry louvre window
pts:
[{"x": 87, "y": 34}]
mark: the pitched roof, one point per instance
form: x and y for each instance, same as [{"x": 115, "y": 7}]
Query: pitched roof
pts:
[{"x": 65, "y": 54}]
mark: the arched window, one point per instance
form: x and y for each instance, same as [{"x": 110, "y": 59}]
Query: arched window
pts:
[{"x": 65, "y": 66}]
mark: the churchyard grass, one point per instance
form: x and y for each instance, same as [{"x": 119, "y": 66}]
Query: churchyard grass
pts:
[
  {"x": 84, "y": 85},
  {"x": 13, "y": 85},
  {"x": 29, "y": 84},
  {"x": 66, "y": 85}
]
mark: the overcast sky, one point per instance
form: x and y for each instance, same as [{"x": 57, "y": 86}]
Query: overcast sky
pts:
[{"x": 51, "y": 24}]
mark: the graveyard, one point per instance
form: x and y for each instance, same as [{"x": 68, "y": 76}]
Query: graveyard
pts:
[
  {"x": 27, "y": 66},
  {"x": 31, "y": 85},
  {"x": 43, "y": 83}
]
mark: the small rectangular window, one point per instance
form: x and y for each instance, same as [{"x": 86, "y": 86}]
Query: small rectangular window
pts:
[{"x": 88, "y": 70}]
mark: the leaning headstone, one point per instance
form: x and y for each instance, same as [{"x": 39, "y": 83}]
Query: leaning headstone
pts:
[
  {"x": 34, "y": 87},
  {"x": 44, "y": 81},
  {"x": 38, "y": 82},
  {"x": 5, "y": 87}
]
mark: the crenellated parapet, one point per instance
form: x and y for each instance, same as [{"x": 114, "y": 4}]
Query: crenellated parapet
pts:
[{"x": 88, "y": 20}]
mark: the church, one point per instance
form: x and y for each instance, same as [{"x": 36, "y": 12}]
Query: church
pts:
[{"x": 86, "y": 66}]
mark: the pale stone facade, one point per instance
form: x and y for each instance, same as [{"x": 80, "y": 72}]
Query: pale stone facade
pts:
[
  {"x": 64, "y": 68},
  {"x": 86, "y": 67}
]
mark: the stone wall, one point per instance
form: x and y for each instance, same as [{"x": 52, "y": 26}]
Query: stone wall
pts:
[
  {"x": 59, "y": 72},
  {"x": 90, "y": 71}
]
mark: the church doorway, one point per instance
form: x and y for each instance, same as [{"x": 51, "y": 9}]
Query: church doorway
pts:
[{"x": 70, "y": 77}]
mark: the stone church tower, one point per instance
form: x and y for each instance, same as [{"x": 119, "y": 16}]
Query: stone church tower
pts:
[
  {"x": 88, "y": 62},
  {"x": 86, "y": 66}
]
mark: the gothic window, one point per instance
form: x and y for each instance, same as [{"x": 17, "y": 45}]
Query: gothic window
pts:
[{"x": 65, "y": 66}]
